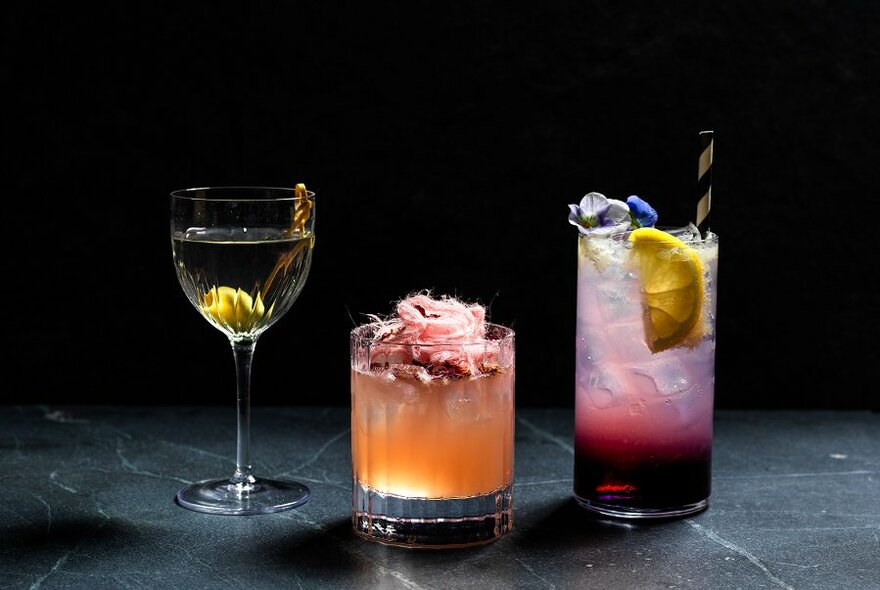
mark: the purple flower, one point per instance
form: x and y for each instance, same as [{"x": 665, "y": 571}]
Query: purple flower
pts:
[
  {"x": 640, "y": 212},
  {"x": 598, "y": 214}
]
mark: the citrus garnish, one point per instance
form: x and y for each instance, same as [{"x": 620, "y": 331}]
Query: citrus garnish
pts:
[
  {"x": 233, "y": 308},
  {"x": 303, "y": 209},
  {"x": 672, "y": 287},
  {"x": 301, "y": 213}
]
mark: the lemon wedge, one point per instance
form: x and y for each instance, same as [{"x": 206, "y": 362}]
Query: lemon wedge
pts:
[
  {"x": 672, "y": 287},
  {"x": 233, "y": 308}
]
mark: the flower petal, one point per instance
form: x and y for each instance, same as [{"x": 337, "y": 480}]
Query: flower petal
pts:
[
  {"x": 581, "y": 218},
  {"x": 641, "y": 213},
  {"x": 594, "y": 203},
  {"x": 617, "y": 212}
]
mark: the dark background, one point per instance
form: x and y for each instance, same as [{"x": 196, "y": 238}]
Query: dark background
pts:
[{"x": 444, "y": 142}]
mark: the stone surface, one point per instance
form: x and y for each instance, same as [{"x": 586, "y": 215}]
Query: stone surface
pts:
[{"x": 88, "y": 503}]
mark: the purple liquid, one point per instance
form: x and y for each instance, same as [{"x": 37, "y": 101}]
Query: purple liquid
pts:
[{"x": 663, "y": 482}]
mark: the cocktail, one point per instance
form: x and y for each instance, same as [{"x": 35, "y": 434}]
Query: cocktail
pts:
[
  {"x": 242, "y": 256},
  {"x": 645, "y": 371},
  {"x": 432, "y": 410}
]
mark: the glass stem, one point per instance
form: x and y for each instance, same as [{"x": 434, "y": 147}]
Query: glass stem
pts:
[{"x": 244, "y": 356}]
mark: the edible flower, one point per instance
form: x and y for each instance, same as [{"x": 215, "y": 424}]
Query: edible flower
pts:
[
  {"x": 597, "y": 214},
  {"x": 641, "y": 214}
]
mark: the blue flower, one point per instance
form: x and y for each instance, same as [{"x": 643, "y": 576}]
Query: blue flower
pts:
[
  {"x": 598, "y": 214},
  {"x": 641, "y": 213}
]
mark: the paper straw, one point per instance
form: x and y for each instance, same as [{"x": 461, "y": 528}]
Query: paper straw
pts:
[{"x": 704, "y": 180}]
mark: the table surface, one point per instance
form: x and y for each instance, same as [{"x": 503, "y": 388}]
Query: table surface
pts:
[{"x": 88, "y": 503}]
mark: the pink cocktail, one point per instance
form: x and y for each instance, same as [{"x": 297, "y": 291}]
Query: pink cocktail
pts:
[
  {"x": 643, "y": 417},
  {"x": 645, "y": 369}
]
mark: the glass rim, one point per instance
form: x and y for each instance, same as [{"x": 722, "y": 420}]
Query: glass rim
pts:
[
  {"x": 709, "y": 238},
  {"x": 362, "y": 334},
  {"x": 183, "y": 193}
]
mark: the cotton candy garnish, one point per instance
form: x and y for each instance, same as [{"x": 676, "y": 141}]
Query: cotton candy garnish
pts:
[{"x": 437, "y": 338}]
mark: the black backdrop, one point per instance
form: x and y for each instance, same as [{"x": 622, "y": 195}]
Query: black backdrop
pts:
[{"x": 444, "y": 141}]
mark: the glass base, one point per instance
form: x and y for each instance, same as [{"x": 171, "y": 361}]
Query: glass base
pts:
[
  {"x": 629, "y": 512},
  {"x": 432, "y": 523},
  {"x": 263, "y": 496}
]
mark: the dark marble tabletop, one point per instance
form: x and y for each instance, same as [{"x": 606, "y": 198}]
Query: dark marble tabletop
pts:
[{"x": 88, "y": 503}]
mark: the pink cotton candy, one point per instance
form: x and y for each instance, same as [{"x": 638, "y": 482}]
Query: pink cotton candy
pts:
[
  {"x": 453, "y": 335},
  {"x": 432, "y": 321}
]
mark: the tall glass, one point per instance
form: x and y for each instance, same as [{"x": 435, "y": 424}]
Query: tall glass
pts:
[
  {"x": 242, "y": 256},
  {"x": 644, "y": 406},
  {"x": 432, "y": 453}
]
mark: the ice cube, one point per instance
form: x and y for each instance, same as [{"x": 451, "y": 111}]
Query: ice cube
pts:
[
  {"x": 406, "y": 392},
  {"x": 675, "y": 394},
  {"x": 462, "y": 402},
  {"x": 668, "y": 377},
  {"x": 618, "y": 301},
  {"x": 687, "y": 234},
  {"x": 627, "y": 340},
  {"x": 601, "y": 386},
  {"x": 591, "y": 346},
  {"x": 598, "y": 256},
  {"x": 389, "y": 354},
  {"x": 694, "y": 409}
]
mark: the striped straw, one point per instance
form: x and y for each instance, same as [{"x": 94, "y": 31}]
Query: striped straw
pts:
[{"x": 704, "y": 180}]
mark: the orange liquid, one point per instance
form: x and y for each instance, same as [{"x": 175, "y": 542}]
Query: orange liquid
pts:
[{"x": 432, "y": 440}]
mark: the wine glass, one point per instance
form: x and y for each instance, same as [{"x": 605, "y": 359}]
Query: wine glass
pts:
[{"x": 242, "y": 255}]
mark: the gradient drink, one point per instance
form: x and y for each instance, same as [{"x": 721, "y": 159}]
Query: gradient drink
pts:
[
  {"x": 645, "y": 371},
  {"x": 432, "y": 408}
]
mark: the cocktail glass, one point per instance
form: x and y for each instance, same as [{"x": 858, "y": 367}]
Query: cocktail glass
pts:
[
  {"x": 432, "y": 450},
  {"x": 645, "y": 372},
  {"x": 242, "y": 256}
]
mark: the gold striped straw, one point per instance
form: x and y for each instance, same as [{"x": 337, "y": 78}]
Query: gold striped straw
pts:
[{"x": 704, "y": 180}]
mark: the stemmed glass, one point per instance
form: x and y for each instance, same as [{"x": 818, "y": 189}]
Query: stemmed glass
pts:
[{"x": 242, "y": 255}]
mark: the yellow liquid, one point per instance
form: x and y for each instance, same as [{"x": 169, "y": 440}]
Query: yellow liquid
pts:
[
  {"x": 439, "y": 439},
  {"x": 240, "y": 280}
]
